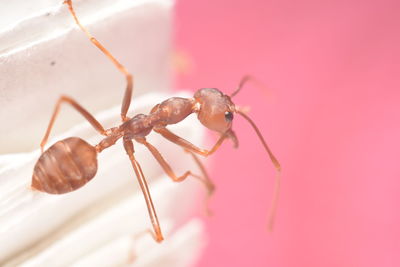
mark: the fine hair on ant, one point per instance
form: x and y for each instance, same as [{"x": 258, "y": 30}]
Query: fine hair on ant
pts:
[{"x": 72, "y": 162}]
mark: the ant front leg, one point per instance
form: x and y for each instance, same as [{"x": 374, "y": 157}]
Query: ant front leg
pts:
[
  {"x": 189, "y": 146},
  {"x": 211, "y": 187},
  {"x": 89, "y": 117},
  {"x": 168, "y": 170},
  {"x": 157, "y": 235}
]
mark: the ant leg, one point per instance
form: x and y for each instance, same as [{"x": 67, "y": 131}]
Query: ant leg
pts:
[
  {"x": 89, "y": 117},
  {"x": 167, "y": 168},
  {"x": 189, "y": 146},
  {"x": 157, "y": 235},
  {"x": 132, "y": 256},
  {"x": 206, "y": 178},
  {"x": 129, "y": 78},
  {"x": 231, "y": 134}
]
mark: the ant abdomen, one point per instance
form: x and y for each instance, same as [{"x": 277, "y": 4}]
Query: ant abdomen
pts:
[{"x": 65, "y": 166}]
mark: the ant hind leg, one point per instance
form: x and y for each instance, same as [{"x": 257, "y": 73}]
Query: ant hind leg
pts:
[{"x": 89, "y": 117}]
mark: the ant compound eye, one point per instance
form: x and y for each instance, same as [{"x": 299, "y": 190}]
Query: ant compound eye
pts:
[{"x": 228, "y": 116}]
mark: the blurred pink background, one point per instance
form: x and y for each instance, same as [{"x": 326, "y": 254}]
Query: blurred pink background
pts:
[{"x": 332, "y": 117}]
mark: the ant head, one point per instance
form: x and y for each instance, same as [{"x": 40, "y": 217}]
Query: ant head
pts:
[{"x": 214, "y": 109}]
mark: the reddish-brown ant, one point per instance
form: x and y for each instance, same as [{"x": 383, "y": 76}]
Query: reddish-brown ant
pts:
[{"x": 70, "y": 163}]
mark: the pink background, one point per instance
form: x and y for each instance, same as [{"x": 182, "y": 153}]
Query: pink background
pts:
[{"x": 332, "y": 118}]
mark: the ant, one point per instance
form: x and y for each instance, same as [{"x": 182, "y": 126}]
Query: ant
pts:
[{"x": 70, "y": 163}]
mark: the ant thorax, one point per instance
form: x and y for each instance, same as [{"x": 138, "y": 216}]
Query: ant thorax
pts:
[
  {"x": 138, "y": 126},
  {"x": 172, "y": 110}
]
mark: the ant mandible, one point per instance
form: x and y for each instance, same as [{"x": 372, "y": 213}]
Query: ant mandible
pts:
[{"x": 70, "y": 163}]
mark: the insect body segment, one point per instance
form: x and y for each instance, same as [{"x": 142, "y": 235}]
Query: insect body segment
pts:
[
  {"x": 215, "y": 109},
  {"x": 66, "y": 166},
  {"x": 173, "y": 110}
]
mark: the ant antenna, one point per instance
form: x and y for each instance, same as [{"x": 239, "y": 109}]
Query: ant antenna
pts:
[
  {"x": 275, "y": 197},
  {"x": 244, "y": 80}
]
